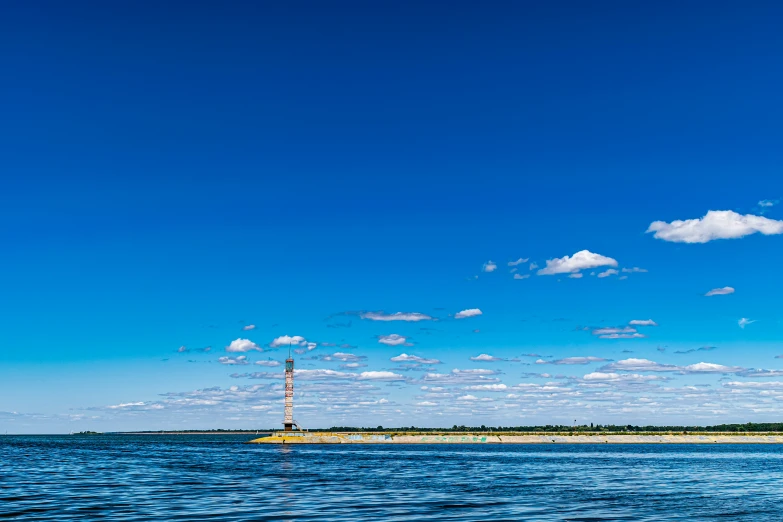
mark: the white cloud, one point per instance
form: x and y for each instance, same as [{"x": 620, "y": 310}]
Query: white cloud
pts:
[
  {"x": 380, "y": 376},
  {"x": 467, "y": 398},
  {"x": 633, "y": 270},
  {"x": 614, "y": 377},
  {"x": 242, "y": 345},
  {"x": 317, "y": 375},
  {"x": 645, "y": 365},
  {"x": 394, "y": 340},
  {"x": 488, "y": 387},
  {"x": 716, "y": 224},
  {"x": 404, "y": 357},
  {"x": 766, "y": 204},
  {"x": 575, "y": 275},
  {"x": 478, "y": 376},
  {"x": 125, "y": 405},
  {"x": 489, "y": 266},
  {"x": 726, "y": 290},
  {"x": 270, "y": 364},
  {"x": 572, "y": 360},
  {"x": 614, "y": 330},
  {"x": 623, "y": 336},
  {"x": 581, "y": 260},
  {"x": 398, "y": 316},
  {"x": 608, "y": 272},
  {"x": 347, "y": 357},
  {"x": 745, "y": 322},
  {"x": 471, "y": 312},
  {"x": 517, "y": 262},
  {"x": 642, "y": 322},
  {"x": 474, "y": 371},
  {"x": 182, "y": 349},
  {"x": 242, "y": 359},
  {"x": 349, "y": 366},
  {"x": 533, "y": 266},
  {"x": 486, "y": 358},
  {"x": 249, "y": 327},
  {"x": 426, "y": 403},
  {"x": 286, "y": 340},
  {"x": 521, "y": 276}
]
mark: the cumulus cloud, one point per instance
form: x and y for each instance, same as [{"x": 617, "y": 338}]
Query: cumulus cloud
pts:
[
  {"x": 533, "y": 266},
  {"x": 471, "y": 312},
  {"x": 489, "y": 266},
  {"x": 726, "y": 290},
  {"x": 581, "y": 260},
  {"x": 398, "y": 316},
  {"x": 249, "y": 327},
  {"x": 351, "y": 366},
  {"x": 573, "y": 360},
  {"x": 488, "y": 387},
  {"x": 622, "y": 377},
  {"x": 242, "y": 345},
  {"x": 745, "y": 322},
  {"x": 518, "y": 262},
  {"x": 486, "y": 358},
  {"x": 753, "y": 372},
  {"x": 621, "y": 332},
  {"x": 521, "y": 276},
  {"x": 343, "y": 357},
  {"x": 394, "y": 340},
  {"x": 404, "y": 357},
  {"x": 380, "y": 376},
  {"x": 642, "y": 322},
  {"x": 321, "y": 374},
  {"x": 575, "y": 275},
  {"x": 765, "y": 205},
  {"x": 270, "y": 364},
  {"x": 716, "y": 224},
  {"x": 287, "y": 340},
  {"x": 645, "y": 365},
  {"x": 135, "y": 406},
  {"x": 608, "y": 272},
  {"x": 426, "y": 403},
  {"x": 242, "y": 359},
  {"x": 478, "y": 376},
  {"x": 634, "y": 269}
]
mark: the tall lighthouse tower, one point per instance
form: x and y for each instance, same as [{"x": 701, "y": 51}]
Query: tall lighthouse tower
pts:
[{"x": 288, "y": 418}]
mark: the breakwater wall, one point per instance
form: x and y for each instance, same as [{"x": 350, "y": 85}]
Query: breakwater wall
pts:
[{"x": 374, "y": 438}]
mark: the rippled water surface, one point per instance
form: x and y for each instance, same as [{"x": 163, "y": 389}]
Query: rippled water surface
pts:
[{"x": 219, "y": 478}]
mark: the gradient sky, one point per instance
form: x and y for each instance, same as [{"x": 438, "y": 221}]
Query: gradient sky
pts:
[{"x": 191, "y": 176}]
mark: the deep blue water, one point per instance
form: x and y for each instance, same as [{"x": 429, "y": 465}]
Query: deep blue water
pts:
[{"x": 219, "y": 478}]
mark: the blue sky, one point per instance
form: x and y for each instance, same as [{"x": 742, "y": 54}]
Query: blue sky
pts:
[{"x": 175, "y": 174}]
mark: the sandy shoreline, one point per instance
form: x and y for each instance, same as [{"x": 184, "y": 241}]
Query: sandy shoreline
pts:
[{"x": 368, "y": 438}]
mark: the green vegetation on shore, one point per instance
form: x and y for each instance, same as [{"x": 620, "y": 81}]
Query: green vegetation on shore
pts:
[{"x": 726, "y": 429}]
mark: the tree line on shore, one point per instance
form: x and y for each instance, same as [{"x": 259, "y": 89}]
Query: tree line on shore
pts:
[{"x": 750, "y": 427}]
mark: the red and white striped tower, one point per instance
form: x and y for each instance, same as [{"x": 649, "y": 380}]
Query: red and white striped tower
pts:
[{"x": 288, "y": 418}]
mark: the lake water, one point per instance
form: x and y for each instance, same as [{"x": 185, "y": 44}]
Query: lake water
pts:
[{"x": 219, "y": 478}]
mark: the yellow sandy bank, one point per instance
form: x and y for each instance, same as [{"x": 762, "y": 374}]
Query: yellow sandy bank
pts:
[{"x": 369, "y": 438}]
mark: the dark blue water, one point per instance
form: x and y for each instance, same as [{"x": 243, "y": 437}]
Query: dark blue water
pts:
[{"x": 219, "y": 478}]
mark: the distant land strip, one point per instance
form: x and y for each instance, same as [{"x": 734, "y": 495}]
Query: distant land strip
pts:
[{"x": 720, "y": 429}]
